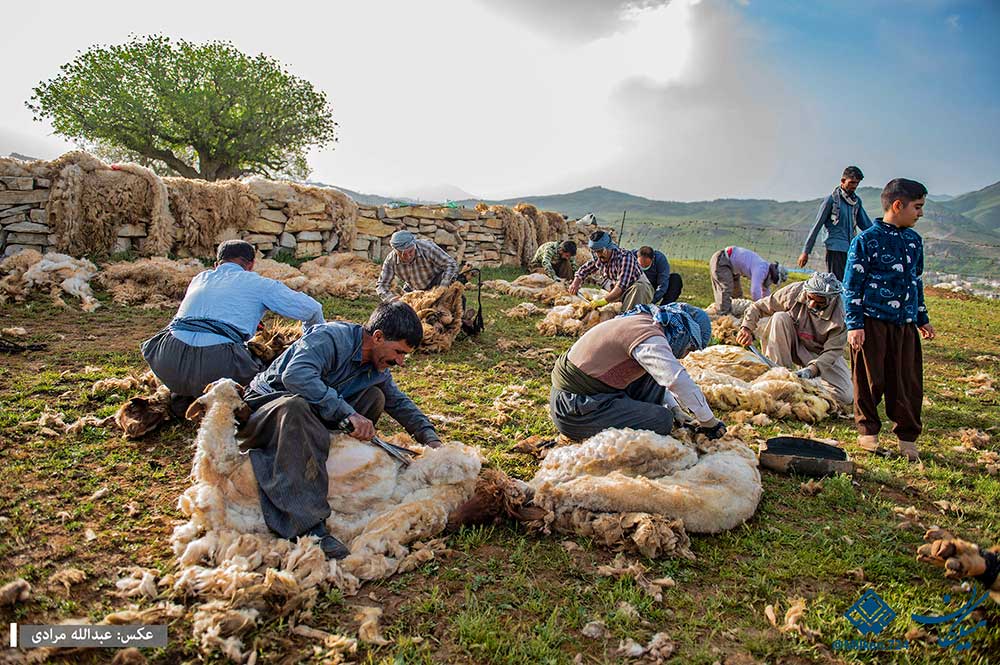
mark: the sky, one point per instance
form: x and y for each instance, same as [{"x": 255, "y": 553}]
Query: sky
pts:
[{"x": 670, "y": 99}]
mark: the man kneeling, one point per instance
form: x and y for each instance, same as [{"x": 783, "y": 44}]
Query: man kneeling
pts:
[
  {"x": 807, "y": 329},
  {"x": 625, "y": 373},
  {"x": 338, "y": 373}
]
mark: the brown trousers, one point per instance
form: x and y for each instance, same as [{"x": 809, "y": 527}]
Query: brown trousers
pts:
[{"x": 889, "y": 364}]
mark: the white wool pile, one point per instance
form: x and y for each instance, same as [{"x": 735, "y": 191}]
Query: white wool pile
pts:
[
  {"x": 611, "y": 481},
  {"x": 523, "y": 311},
  {"x": 576, "y": 318},
  {"x": 533, "y": 286},
  {"x": 380, "y": 510},
  {"x": 732, "y": 378},
  {"x": 29, "y": 270}
]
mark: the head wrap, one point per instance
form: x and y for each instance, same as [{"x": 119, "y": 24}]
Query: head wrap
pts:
[
  {"x": 603, "y": 242},
  {"x": 685, "y": 326},
  {"x": 824, "y": 284},
  {"x": 402, "y": 240},
  {"x": 235, "y": 249}
]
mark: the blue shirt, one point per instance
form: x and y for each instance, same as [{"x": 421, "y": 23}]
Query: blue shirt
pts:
[
  {"x": 882, "y": 280},
  {"x": 239, "y": 297},
  {"x": 837, "y": 237},
  {"x": 658, "y": 273},
  {"x": 324, "y": 367}
]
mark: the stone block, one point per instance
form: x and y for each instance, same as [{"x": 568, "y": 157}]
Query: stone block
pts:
[
  {"x": 15, "y": 248},
  {"x": 380, "y": 212},
  {"x": 304, "y": 249},
  {"x": 132, "y": 231},
  {"x": 14, "y": 219},
  {"x": 27, "y": 227},
  {"x": 373, "y": 227},
  {"x": 361, "y": 245},
  {"x": 287, "y": 240},
  {"x": 490, "y": 255},
  {"x": 399, "y": 213},
  {"x": 300, "y": 223},
  {"x": 22, "y": 183},
  {"x": 493, "y": 223},
  {"x": 261, "y": 225},
  {"x": 258, "y": 238},
  {"x": 274, "y": 204},
  {"x": 14, "y": 210},
  {"x": 123, "y": 244},
  {"x": 39, "y": 215},
  {"x": 309, "y": 236},
  {"x": 27, "y": 238},
  {"x": 18, "y": 197},
  {"x": 43, "y": 183},
  {"x": 273, "y": 215},
  {"x": 308, "y": 206},
  {"x": 427, "y": 229},
  {"x": 445, "y": 239}
]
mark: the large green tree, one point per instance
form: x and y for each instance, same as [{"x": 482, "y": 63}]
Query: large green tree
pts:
[{"x": 204, "y": 110}]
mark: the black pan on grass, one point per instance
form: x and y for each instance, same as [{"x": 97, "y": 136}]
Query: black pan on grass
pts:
[{"x": 793, "y": 454}]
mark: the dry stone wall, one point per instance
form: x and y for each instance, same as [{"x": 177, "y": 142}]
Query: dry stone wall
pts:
[{"x": 274, "y": 216}]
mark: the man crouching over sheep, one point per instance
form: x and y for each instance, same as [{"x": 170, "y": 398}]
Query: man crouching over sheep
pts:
[
  {"x": 625, "y": 373},
  {"x": 336, "y": 373},
  {"x": 807, "y": 329},
  {"x": 206, "y": 340}
]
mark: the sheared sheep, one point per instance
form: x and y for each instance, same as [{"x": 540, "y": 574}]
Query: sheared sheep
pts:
[
  {"x": 440, "y": 312},
  {"x": 622, "y": 478}
]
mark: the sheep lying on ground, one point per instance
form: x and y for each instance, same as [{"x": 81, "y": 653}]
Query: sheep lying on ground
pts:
[
  {"x": 640, "y": 490},
  {"x": 28, "y": 270},
  {"x": 440, "y": 312},
  {"x": 226, "y": 554},
  {"x": 732, "y": 378}
]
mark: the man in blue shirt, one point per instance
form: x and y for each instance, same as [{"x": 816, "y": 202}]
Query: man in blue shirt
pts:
[
  {"x": 838, "y": 216},
  {"x": 206, "y": 340},
  {"x": 656, "y": 267},
  {"x": 336, "y": 377}
]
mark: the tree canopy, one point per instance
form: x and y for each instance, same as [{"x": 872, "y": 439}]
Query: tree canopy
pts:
[{"x": 205, "y": 111}]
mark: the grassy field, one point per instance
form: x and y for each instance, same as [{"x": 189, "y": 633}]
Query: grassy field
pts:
[{"x": 508, "y": 595}]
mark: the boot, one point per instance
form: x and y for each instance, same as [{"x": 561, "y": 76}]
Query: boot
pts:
[
  {"x": 332, "y": 548},
  {"x": 908, "y": 449},
  {"x": 869, "y": 442}
]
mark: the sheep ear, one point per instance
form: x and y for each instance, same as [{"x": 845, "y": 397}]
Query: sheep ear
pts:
[{"x": 196, "y": 411}]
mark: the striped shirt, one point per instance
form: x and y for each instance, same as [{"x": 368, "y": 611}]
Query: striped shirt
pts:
[
  {"x": 622, "y": 270},
  {"x": 431, "y": 266},
  {"x": 547, "y": 255}
]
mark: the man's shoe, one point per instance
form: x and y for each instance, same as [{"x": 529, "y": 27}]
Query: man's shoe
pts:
[
  {"x": 869, "y": 442},
  {"x": 908, "y": 449},
  {"x": 332, "y": 548}
]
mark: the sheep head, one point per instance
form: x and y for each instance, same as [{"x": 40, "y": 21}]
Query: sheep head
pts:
[{"x": 225, "y": 392}]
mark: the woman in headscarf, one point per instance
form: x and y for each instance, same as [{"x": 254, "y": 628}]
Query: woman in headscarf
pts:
[
  {"x": 625, "y": 373},
  {"x": 806, "y": 330}
]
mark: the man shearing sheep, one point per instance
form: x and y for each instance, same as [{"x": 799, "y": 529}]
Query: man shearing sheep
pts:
[
  {"x": 420, "y": 264},
  {"x": 620, "y": 273},
  {"x": 626, "y": 373},
  {"x": 807, "y": 329},
  {"x": 336, "y": 374}
]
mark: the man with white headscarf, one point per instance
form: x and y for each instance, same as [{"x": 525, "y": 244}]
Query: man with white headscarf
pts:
[
  {"x": 420, "y": 264},
  {"x": 807, "y": 329},
  {"x": 626, "y": 372}
]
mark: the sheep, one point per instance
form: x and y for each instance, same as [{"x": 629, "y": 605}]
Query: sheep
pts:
[
  {"x": 622, "y": 478},
  {"x": 440, "y": 312}
]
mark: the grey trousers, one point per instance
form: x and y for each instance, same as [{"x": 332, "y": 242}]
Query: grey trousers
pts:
[
  {"x": 640, "y": 293},
  {"x": 186, "y": 369},
  {"x": 725, "y": 282},
  {"x": 289, "y": 445},
  {"x": 639, "y": 406}
]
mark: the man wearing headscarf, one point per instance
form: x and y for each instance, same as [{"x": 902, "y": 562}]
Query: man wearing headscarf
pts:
[
  {"x": 807, "y": 329},
  {"x": 728, "y": 266},
  {"x": 620, "y": 273},
  {"x": 626, "y": 373},
  {"x": 420, "y": 264}
]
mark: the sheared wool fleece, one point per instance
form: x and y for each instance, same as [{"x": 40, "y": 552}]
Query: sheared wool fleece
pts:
[
  {"x": 440, "y": 312},
  {"x": 153, "y": 282},
  {"x": 230, "y": 562},
  {"x": 575, "y": 318},
  {"x": 29, "y": 270},
  {"x": 520, "y": 238},
  {"x": 341, "y": 275},
  {"x": 620, "y": 476},
  {"x": 731, "y": 378}
]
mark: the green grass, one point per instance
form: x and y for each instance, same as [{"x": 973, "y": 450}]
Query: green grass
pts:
[{"x": 507, "y": 595}]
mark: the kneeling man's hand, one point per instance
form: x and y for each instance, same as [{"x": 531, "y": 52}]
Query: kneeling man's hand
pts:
[{"x": 364, "y": 429}]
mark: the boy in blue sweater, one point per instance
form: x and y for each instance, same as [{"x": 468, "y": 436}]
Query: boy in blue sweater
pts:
[{"x": 886, "y": 317}]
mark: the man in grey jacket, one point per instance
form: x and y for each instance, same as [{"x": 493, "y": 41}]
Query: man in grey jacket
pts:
[
  {"x": 335, "y": 377},
  {"x": 838, "y": 216}
]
